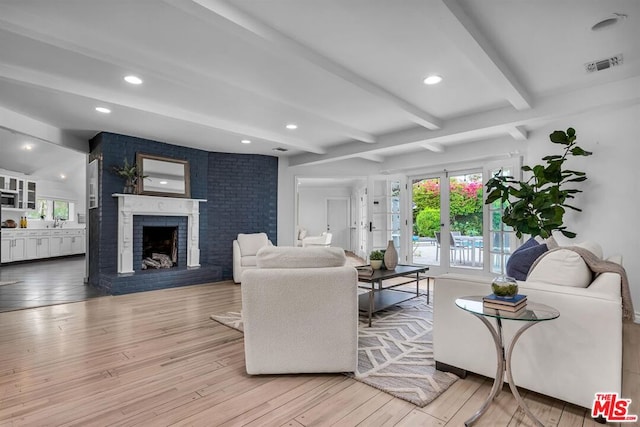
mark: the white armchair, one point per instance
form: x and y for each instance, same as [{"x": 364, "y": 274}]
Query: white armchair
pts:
[
  {"x": 245, "y": 248},
  {"x": 322, "y": 240},
  {"x": 300, "y": 312}
]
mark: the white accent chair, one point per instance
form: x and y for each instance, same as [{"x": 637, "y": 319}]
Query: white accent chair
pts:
[
  {"x": 322, "y": 240},
  {"x": 300, "y": 312},
  {"x": 570, "y": 358},
  {"x": 245, "y": 248}
]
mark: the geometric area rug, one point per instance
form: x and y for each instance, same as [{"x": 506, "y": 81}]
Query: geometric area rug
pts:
[{"x": 395, "y": 354}]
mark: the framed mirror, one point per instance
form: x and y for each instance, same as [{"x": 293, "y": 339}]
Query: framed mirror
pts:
[{"x": 164, "y": 176}]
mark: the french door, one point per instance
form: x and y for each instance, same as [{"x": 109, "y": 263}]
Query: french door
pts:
[{"x": 448, "y": 221}]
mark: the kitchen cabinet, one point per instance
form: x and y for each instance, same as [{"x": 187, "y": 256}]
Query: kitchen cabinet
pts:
[
  {"x": 8, "y": 183},
  {"x": 37, "y": 244},
  {"x": 24, "y": 189},
  {"x": 66, "y": 242},
  {"x": 13, "y": 246},
  {"x": 5, "y": 249},
  {"x": 18, "y": 245}
]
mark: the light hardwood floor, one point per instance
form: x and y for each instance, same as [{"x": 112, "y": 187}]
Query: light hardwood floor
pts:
[{"x": 155, "y": 359}]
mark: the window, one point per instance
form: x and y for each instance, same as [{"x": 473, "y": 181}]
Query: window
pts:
[
  {"x": 49, "y": 209},
  {"x": 61, "y": 209}
]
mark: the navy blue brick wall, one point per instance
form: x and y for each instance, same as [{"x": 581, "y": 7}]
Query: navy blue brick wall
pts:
[
  {"x": 241, "y": 193},
  {"x": 140, "y": 221},
  {"x": 243, "y": 198}
]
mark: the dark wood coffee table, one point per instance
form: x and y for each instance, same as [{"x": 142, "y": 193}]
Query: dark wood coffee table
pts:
[{"x": 380, "y": 297}]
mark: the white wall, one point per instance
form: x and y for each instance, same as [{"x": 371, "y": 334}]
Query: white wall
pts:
[
  {"x": 312, "y": 206},
  {"x": 611, "y": 194}
]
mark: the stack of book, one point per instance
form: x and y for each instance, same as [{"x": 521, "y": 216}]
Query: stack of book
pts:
[
  {"x": 514, "y": 304},
  {"x": 365, "y": 271}
]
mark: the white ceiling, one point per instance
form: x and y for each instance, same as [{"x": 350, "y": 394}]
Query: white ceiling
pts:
[{"x": 349, "y": 73}]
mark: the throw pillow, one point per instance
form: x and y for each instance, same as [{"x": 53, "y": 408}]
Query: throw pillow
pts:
[
  {"x": 561, "y": 267},
  {"x": 302, "y": 234},
  {"x": 522, "y": 259}
]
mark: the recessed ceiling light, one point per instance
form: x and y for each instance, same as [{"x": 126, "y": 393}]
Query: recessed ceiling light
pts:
[
  {"x": 609, "y": 21},
  {"x": 103, "y": 110},
  {"x": 292, "y": 126},
  {"x": 134, "y": 80},
  {"x": 28, "y": 147},
  {"x": 62, "y": 176},
  {"x": 163, "y": 182},
  {"x": 432, "y": 79},
  {"x": 246, "y": 141}
]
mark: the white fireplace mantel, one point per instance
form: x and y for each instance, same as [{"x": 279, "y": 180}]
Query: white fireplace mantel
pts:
[{"x": 131, "y": 204}]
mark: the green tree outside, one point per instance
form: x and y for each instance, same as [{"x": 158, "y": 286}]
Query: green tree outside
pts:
[{"x": 465, "y": 206}]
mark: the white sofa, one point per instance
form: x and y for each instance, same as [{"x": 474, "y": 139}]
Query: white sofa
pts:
[
  {"x": 300, "y": 312},
  {"x": 569, "y": 358},
  {"x": 245, "y": 248}
]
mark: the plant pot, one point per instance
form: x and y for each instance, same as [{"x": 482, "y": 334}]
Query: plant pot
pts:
[{"x": 376, "y": 264}]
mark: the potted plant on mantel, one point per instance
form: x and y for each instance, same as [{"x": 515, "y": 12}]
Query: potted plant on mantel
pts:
[
  {"x": 132, "y": 174},
  {"x": 537, "y": 206}
]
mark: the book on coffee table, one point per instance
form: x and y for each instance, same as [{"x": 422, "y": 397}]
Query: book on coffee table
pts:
[{"x": 364, "y": 270}]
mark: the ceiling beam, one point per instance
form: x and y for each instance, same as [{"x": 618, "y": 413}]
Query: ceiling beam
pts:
[
  {"x": 472, "y": 43},
  {"x": 84, "y": 90},
  {"x": 372, "y": 157},
  {"x": 519, "y": 133},
  {"x": 185, "y": 78},
  {"x": 19, "y": 123},
  {"x": 247, "y": 23},
  {"x": 433, "y": 146},
  {"x": 494, "y": 123}
]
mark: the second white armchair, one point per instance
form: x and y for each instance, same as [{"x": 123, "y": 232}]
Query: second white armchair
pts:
[
  {"x": 322, "y": 240},
  {"x": 245, "y": 248}
]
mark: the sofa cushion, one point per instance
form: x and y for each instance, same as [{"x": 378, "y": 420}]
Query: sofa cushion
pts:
[
  {"x": 523, "y": 258},
  {"x": 251, "y": 243},
  {"x": 310, "y": 257},
  {"x": 561, "y": 267}
]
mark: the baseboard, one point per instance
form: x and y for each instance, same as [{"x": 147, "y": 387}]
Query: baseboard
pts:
[{"x": 448, "y": 368}]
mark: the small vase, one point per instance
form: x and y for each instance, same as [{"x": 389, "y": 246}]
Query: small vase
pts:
[
  {"x": 376, "y": 264},
  {"x": 390, "y": 256}
]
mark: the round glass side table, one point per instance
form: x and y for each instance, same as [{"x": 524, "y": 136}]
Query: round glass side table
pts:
[{"x": 530, "y": 315}]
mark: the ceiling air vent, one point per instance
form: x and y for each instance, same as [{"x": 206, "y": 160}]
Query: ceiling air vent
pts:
[
  {"x": 603, "y": 64},
  {"x": 280, "y": 149}
]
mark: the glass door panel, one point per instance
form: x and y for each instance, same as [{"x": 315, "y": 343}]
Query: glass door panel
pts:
[
  {"x": 426, "y": 248},
  {"x": 466, "y": 220}
]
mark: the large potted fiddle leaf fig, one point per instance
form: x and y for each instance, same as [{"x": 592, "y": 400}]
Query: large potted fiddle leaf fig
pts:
[{"x": 537, "y": 206}]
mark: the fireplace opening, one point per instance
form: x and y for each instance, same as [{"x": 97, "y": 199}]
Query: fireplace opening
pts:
[{"x": 159, "y": 247}]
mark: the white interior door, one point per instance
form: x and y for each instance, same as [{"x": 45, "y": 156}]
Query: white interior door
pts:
[{"x": 338, "y": 223}]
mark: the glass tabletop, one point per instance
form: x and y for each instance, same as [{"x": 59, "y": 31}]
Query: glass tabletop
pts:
[{"x": 532, "y": 312}]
